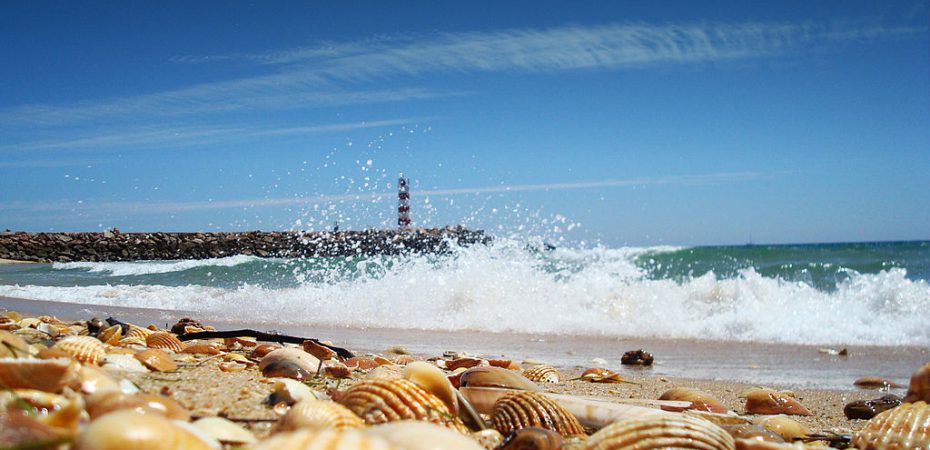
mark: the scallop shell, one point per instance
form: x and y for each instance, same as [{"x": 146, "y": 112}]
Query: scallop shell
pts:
[
  {"x": 907, "y": 426},
  {"x": 919, "y": 388},
  {"x": 289, "y": 363},
  {"x": 542, "y": 374},
  {"x": 111, "y": 335},
  {"x": 50, "y": 375},
  {"x": 318, "y": 415},
  {"x": 137, "y": 331},
  {"x": 164, "y": 341},
  {"x": 673, "y": 431},
  {"x": 523, "y": 409},
  {"x": 127, "y": 429},
  {"x": 700, "y": 400},
  {"x": 767, "y": 401},
  {"x": 323, "y": 440},
  {"x": 225, "y": 431},
  {"x": 388, "y": 400},
  {"x": 85, "y": 349},
  {"x": 414, "y": 435},
  {"x": 156, "y": 360}
]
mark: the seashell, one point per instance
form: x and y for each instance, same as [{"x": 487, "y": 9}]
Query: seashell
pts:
[
  {"x": 414, "y": 435},
  {"x": 94, "y": 379},
  {"x": 101, "y": 403},
  {"x": 756, "y": 444},
  {"x": 637, "y": 358},
  {"x": 68, "y": 417},
  {"x": 318, "y": 350},
  {"x": 403, "y": 360},
  {"x": 488, "y": 438},
  {"x": 767, "y": 401},
  {"x": 319, "y": 414},
  {"x": 234, "y": 367},
  {"x": 430, "y": 378},
  {"x": 495, "y": 377},
  {"x": 306, "y": 439},
  {"x": 111, "y": 335},
  {"x": 181, "y": 326},
  {"x": 23, "y": 431},
  {"x": 12, "y": 345},
  {"x": 505, "y": 364},
  {"x": 127, "y": 429},
  {"x": 867, "y": 409},
  {"x": 700, "y": 400},
  {"x": 31, "y": 401},
  {"x": 523, "y": 409},
  {"x": 164, "y": 341},
  {"x": 29, "y": 322},
  {"x": 388, "y": 400},
  {"x": 363, "y": 363},
  {"x": 542, "y": 374},
  {"x": 289, "y": 391},
  {"x": 673, "y": 431},
  {"x": 532, "y": 438},
  {"x": 156, "y": 360},
  {"x": 12, "y": 315},
  {"x": 600, "y": 375},
  {"x": 85, "y": 349},
  {"x": 907, "y": 426},
  {"x": 466, "y": 362},
  {"x": 876, "y": 383},
  {"x": 336, "y": 369},
  {"x": 49, "y": 375},
  {"x": 386, "y": 371},
  {"x": 397, "y": 350},
  {"x": 124, "y": 362},
  {"x": 261, "y": 350},
  {"x": 225, "y": 431},
  {"x": 784, "y": 426},
  {"x": 51, "y": 330},
  {"x": 132, "y": 341},
  {"x": 919, "y": 388},
  {"x": 234, "y": 343},
  {"x": 289, "y": 363},
  {"x": 201, "y": 349},
  {"x": 752, "y": 432},
  {"x": 137, "y": 331}
]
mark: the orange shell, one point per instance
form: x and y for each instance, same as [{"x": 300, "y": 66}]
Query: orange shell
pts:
[
  {"x": 128, "y": 429},
  {"x": 201, "y": 349},
  {"x": 699, "y": 400},
  {"x": 156, "y": 360},
  {"x": 381, "y": 400},
  {"x": 767, "y": 401},
  {"x": 322, "y": 440},
  {"x": 907, "y": 426},
  {"x": 542, "y": 374},
  {"x": 318, "y": 415},
  {"x": 165, "y": 341},
  {"x": 49, "y": 375},
  {"x": 111, "y": 335},
  {"x": 919, "y": 388},
  {"x": 673, "y": 431},
  {"x": 524, "y": 409},
  {"x": 85, "y": 349}
]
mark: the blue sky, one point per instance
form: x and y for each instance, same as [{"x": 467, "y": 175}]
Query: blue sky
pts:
[{"x": 624, "y": 123}]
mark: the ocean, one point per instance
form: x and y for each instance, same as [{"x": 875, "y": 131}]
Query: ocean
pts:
[{"x": 872, "y": 296}]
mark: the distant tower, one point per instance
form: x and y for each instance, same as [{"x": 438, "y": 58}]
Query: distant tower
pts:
[{"x": 403, "y": 203}]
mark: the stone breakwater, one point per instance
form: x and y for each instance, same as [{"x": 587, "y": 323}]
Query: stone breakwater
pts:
[{"x": 116, "y": 246}]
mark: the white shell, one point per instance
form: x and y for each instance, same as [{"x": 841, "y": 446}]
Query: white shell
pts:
[
  {"x": 225, "y": 431},
  {"x": 417, "y": 435}
]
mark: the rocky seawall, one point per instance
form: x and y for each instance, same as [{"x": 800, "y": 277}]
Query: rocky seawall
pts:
[{"x": 116, "y": 246}]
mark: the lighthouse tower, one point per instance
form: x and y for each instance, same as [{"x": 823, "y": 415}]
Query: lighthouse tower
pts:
[{"x": 403, "y": 203}]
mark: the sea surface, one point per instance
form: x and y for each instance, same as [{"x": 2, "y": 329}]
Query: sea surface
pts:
[{"x": 869, "y": 295}]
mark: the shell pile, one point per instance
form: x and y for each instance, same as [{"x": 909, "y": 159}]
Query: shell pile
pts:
[{"x": 109, "y": 385}]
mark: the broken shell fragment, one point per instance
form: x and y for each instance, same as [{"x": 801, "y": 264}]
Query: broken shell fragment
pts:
[
  {"x": 389, "y": 400},
  {"x": 907, "y": 426},
  {"x": 919, "y": 388},
  {"x": 50, "y": 375},
  {"x": 542, "y": 374},
  {"x": 767, "y": 401},
  {"x": 111, "y": 335},
  {"x": 672, "y": 431},
  {"x": 700, "y": 400},
  {"x": 156, "y": 360},
  {"x": 867, "y": 409},
  {"x": 523, "y": 409},
  {"x": 127, "y": 429},
  {"x": 84, "y": 349},
  {"x": 318, "y": 350},
  {"x": 201, "y": 349},
  {"x": 318, "y": 415},
  {"x": 165, "y": 341},
  {"x": 289, "y": 363},
  {"x": 876, "y": 383}
]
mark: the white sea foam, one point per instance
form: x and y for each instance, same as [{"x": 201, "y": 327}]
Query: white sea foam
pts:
[
  {"x": 117, "y": 269},
  {"x": 503, "y": 288}
]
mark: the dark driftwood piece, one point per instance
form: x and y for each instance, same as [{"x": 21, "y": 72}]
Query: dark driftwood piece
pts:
[{"x": 262, "y": 336}]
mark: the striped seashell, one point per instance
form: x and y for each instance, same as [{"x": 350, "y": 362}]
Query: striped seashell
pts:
[
  {"x": 542, "y": 374},
  {"x": 907, "y": 426},
  {"x": 85, "y": 349},
  {"x": 919, "y": 388},
  {"x": 700, "y": 400},
  {"x": 318, "y": 415},
  {"x": 164, "y": 341},
  {"x": 111, "y": 335},
  {"x": 523, "y": 409},
  {"x": 383, "y": 400},
  {"x": 132, "y": 341},
  {"x": 671, "y": 431},
  {"x": 323, "y": 440},
  {"x": 135, "y": 330},
  {"x": 129, "y": 429}
]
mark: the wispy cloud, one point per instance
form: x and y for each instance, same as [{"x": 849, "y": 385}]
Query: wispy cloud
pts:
[
  {"x": 180, "y": 207},
  {"x": 330, "y": 73}
]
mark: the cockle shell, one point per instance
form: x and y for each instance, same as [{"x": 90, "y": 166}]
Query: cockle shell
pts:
[
  {"x": 495, "y": 377},
  {"x": 85, "y": 349},
  {"x": 414, "y": 435},
  {"x": 12, "y": 345},
  {"x": 919, "y": 388},
  {"x": 673, "y": 431},
  {"x": 323, "y": 440},
  {"x": 164, "y": 341},
  {"x": 137, "y": 331},
  {"x": 318, "y": 415},
  {"x": 542, "y": 374},
  {"x": 101, "y": 403},
  {"x": 50, "y": 375},
  {"x": 127, "y": 430},
  {"x": 784, "y": 426},
  {"x": 225, "y": 431},
  {"x": 388, "y": 400},
  {"x": 767, "y": 401},
  {"x": 523, "y": 409},
  {"x": 700, "y": 400},
  {"x": 289, "y": 363},
  {"x": 157, "y": 360},
  {"x": 907, "y": 426},
  {"x": 111, "y": 335}
]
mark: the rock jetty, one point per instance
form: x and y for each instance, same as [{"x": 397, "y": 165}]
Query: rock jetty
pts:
[{"x": 113, "y": 245}]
